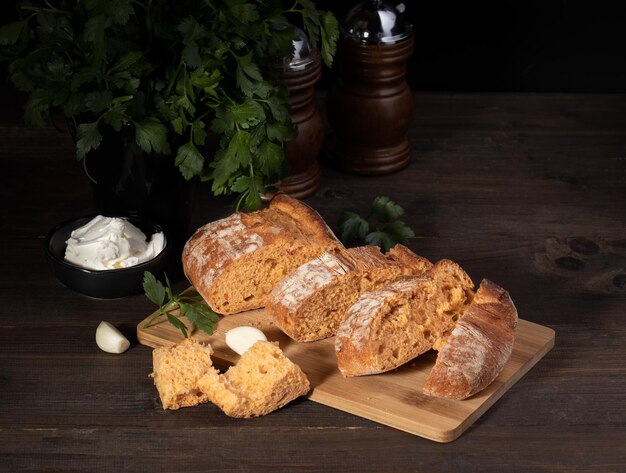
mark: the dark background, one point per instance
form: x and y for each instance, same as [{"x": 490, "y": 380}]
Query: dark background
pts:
[
  {"x": 531, "y": 46},
  {"x": 514, "y": 46}
]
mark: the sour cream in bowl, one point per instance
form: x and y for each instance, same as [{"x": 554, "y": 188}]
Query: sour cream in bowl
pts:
[
  {"x": 111, "y": 243},
  {"x": 106, "y": 257}
]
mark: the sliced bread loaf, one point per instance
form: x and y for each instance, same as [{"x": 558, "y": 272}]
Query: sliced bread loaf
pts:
[
  {"x": 401, "y": 319},
  {"x": 235, "y": 262},
  {"x": 475, "y": 353},
  {"x": 310, "y": 303}
]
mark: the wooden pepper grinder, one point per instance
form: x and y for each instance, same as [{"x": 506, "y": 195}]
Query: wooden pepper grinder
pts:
[
  {"x": 370, "y": 105},
  {"x": 299, "y": 75}
]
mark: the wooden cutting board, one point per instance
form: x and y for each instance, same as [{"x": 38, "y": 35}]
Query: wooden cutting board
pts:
[{"x": 394, "y": 398}]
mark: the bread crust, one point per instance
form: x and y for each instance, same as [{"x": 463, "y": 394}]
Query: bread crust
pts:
[
  {"x": 227, "y": 249},
  {"x": 478, "y": 348}
]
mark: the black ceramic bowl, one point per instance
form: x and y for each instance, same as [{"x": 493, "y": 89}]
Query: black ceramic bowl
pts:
[{"x": 110, "y": 283}]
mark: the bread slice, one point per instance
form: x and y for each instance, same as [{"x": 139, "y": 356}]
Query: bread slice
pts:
[
  {"x": 478, "y": 348},
  {"x": 177, "y": 370},
  {"x": 235, "y": 262},
  {"x": 401, "y": 319},
  {"x": 310, "y": 303},
  {"x": 262, "y": 381}
]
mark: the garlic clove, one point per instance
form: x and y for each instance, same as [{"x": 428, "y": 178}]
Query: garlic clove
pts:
[
  {"x": 239, "y": 339},
  {"x": 110, "y": 339}
]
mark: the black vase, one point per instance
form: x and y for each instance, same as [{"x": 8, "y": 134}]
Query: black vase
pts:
[{"x": 127, "y": 181}]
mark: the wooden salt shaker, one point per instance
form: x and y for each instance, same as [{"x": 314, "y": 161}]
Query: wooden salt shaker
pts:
[{"x": 370, "y": 105}]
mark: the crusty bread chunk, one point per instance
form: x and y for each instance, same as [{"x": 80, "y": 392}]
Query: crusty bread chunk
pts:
[
  {"x": 475, "y": 353},
  {"x": 235, "y": 262},
  {"x": 177, "y": 370},
  {"x": 401, "y": 319},
  {"x": 310, "y": 303},
  {"x": 263, "y": 380}
]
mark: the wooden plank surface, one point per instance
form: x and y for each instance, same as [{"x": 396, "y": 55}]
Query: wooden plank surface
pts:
[
  {"x": 504, "y": 184},
  {"x": 394, "y": 398}
]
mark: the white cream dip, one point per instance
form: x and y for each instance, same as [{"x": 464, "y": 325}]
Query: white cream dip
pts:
[{"x": 111, "y": 243}]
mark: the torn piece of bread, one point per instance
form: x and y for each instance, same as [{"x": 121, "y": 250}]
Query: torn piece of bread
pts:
[
  {"x": 235, "y": 262},
  {"x": 401, "y": 319},
  {"x": 263, "y": 380},
  {"x": 310, "y": 303},
  {"x": 475, "y": 353},
  {"x": 177, "y": 370}
]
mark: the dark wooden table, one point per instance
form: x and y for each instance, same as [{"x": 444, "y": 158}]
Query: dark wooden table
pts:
[{"x": 527, "y": 190}]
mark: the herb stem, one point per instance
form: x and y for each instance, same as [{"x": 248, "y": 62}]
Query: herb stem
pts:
[
  {"x": 38, "y": 10},
  {"x": 163, "y": 310},
  {"x": 174, "y": 78}
]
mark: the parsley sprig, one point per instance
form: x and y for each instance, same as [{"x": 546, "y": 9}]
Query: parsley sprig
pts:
[
  {"x": 382, "y": 226},
  {"x": 177, "y": 306}
]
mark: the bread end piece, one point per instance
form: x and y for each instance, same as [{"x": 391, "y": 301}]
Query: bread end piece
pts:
[
  {"x": 235, "y": 262},
  {"x": 478, "y": 348}
]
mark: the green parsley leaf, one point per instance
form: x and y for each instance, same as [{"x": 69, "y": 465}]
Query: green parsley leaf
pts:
[
  {"x": 127, "y": 60},
  {"x": 330, "y": 34},
  {"x": 278, "y": 132},
  {"x": 241, "y": 184},
  {"x": 238, "y": 150},
  {"x": 353, "y": 227},
  {"x": 120, "y": 10},
  {"x": 380, "y": 238},
  {"x": 116, "y": 117},
  {"x": 243, "y": 11},
  {"x": 154, "y": 289},
  {"x": 177, "y": 124},
  {"x": 98, "y": 100},
  {"x": 198, "y": 132},
  {"x": 398, "y": 231},
  {"x": 382, "y": 227},
  {"x": 385, "y": 209},
  {"x": 178, "y": 324},
  {"x": 189, "y": 160},
  {"x": 248, "y": 113},
  {"x": 94, "y": 33},
  {"x": 272, "y": 162},
  {"x": 10, "y": 33},
  {"x": 89, "y": 137},
  {"x": 151, "y": 135},
  {"x": 224, "y": 170},
  {"x": 191, "y": 30}
]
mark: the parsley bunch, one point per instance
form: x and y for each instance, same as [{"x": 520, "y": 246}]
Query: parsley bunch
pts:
[
  {"x": 177, "y": 306},
  {"x": 174, "y": 71},
  {"x": 382, "y": 226}
]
